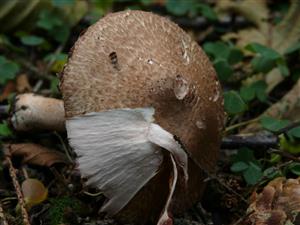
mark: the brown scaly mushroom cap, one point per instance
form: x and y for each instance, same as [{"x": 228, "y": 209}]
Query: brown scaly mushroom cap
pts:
[{"x": 141, "y": 73}]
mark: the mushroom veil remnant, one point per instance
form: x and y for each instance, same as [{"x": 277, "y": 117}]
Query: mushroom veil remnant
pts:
[{"x": 135, "y": 88}]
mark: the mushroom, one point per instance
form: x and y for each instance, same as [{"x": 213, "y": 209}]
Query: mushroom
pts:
[
  {"x": 32, "y": 112},
  {"x": 144, "y": 114}
]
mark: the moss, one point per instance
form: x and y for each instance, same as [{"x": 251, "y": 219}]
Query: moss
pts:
[{"x": 58, "y": 209}]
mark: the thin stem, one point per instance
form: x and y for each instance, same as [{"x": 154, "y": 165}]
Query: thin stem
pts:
[
  {"x": 2, "y": 216},
  {"x": 12, "y": 173},
  {"x": 241, "y": 124}
]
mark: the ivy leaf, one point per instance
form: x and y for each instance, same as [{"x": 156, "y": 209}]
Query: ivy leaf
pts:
[
  {"x": 271, "y": 172},
  {"x": 32, "y": 40},
  {"x": 263, "y": 51},
  {"x": 273, "y": 124},
  {"x": 233, "y": 103},
  {"x": 223, "y": 69},
  {"x": 48, "y": 20},
  {"x": 61, "y": 3},
  {"x": 295, "y": 132},
  {"x": 180, "y": 7},
  {"x": 8, "y": 69},
  {"x": 262, "y": 64},
  {"x": 247, "y": 93},
  {"x": 253, "y": 174},
  {"x": 218, "y": 50},
  {"x": 260, "y": 90},
  {"x": 284, "y": 70},
  {"x": 257, "y": 89},
  {"x": 235, "y": 56},
  {"x": 244, "y": 155},
  {"x": 207, "y": 11},
  {"x": 239, "y": 167},
  {"x": 295, "y": 168}
]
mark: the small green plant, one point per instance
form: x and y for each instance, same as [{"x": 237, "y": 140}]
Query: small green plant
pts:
[
  {"x": 245, "y": 163},
  {"x": 58, "y": 206},
  {"x": 233, "y": 103}
]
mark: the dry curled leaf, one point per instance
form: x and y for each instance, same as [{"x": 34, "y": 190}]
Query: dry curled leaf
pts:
[
  {"x": 277, "y": 204},
  {"x": 279, "y": 37},
  {"x": 34, "y": 192},
  {"x": 36, "y": 154}
]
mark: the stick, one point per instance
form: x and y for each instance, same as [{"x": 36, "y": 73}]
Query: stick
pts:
[{"x": 12, "y": 173}]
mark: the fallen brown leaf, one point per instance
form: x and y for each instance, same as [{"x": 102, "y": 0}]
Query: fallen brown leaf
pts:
[
  {"x": 278, "y": 203},
  {"x": 22, "y": 84},
  {"x": 9, "y": 88},
  {"x": 36, "y": 154},
  {"x": 279, "y": 37}
]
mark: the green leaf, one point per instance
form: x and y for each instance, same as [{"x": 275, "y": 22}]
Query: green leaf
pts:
[
  {"x": 48, "y": 20},
  {"x": 218, "y": 50},
  {"x": 239, "y": 167},
  {"x": 271, "y": 172},
  {"x": 180, "y": 7},
  {"x": 54, "y": 85},
  {"x": 146, "y": 2},
  {"x": 253, "y": 174},
  {"x": 295, "y": 132},
  {"x": 207, "y": 11},
  {"x": 247, "y": 93},
  {"x": 262, "y": 64},
  {"x": 32, "y": 40},
  {"x": 8, "y": 69},
  {"x": 281, "y": 64},
  {"x": 292, "y": 49},
  {"x": 244, "y": 155},
  {"x": 61, "y": 34},
  {"x": 223, "y": 69},
  {"x": 5, "y": 131},
  {"x": 273, "y": 124},
  {"x": 263, "y": 50},
  {"x": 61, "y": 3},
  {"x": 233, "y": 103},
  {"x": 288, "y": 145},
  {"x": 257, "y": 89},
  {"x": 56, "y": 57},
  {"x": 260, "y": 90},
  {"x": 235, "y": 56},
  {"x": 295, "y": 168}
]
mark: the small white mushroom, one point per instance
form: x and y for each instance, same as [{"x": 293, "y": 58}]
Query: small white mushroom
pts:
[{"x": 33, "y": 112}]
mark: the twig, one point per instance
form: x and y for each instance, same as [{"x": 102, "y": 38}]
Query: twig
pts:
[
  {"x": 64, "y": 146},
  {"x": 4, "y": 109},
  {"x": 12, "y": 173},
  {"x": 215, "y": 177},
  {"x": 35, "y": 71},
  {"x": 261, "y": 140},
  {"x": 2, "y": 216},
  {"x": 284, "y": 154},
  {"x": 242, "y": 218},
  {"x": 287, "y": 128},
  {"x": 241, "y": 124}
]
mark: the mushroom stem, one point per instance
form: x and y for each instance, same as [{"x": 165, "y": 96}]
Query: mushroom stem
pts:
[{"x": 33, "y": 113}]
